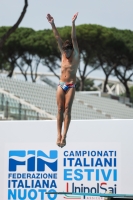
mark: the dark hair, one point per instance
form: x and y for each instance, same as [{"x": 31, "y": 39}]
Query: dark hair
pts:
[{"x": 67, "y": 45}]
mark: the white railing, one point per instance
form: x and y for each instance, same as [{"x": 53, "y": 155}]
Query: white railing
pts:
[{"x": 116, "y": 87}]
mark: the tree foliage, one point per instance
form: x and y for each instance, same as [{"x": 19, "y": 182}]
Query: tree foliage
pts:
[{"x": 101, "y": 48}]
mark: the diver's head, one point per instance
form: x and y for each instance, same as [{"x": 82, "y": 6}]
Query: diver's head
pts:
[{"x": 67, "y": 48}]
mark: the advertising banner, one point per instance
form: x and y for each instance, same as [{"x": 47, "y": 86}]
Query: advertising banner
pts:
[{"x": 94, "y": 164}]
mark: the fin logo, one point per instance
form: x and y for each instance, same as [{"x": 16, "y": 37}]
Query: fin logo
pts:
[{"x": 33, "y": 160}]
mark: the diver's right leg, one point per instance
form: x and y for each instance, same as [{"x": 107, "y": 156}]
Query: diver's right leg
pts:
[{"x": 60, "y": 95}]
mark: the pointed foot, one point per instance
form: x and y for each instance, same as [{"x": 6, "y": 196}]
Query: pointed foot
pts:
[
  {"x": 63, "y": 141},
  {"x": 58, "y": 142}
]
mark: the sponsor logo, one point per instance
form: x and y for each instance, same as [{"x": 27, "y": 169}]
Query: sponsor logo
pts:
[
  {"x": 34, "y": 160},
  {"x": 32, "y": 173},
  {"x": 81, "y": 189}
]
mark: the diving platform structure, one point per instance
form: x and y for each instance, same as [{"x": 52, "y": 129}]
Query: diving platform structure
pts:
[{"x": 108, "y": 195}]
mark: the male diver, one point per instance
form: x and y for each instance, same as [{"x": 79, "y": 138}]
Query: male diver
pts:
[{"x": 66, "y": 89}]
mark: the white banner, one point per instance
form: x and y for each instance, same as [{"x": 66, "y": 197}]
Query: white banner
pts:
[{"x": 96, "y": 159}]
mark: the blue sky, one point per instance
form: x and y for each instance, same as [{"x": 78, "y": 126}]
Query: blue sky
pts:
[{"x": 109, "y": 13}]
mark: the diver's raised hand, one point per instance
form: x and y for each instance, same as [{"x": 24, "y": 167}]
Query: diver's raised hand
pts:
[
  {"x": 50, "y": 18},
  {"x": 74, "y": 17}
]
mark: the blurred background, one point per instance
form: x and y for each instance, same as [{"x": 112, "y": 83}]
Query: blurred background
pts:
[{"x": 30, "y": 59}]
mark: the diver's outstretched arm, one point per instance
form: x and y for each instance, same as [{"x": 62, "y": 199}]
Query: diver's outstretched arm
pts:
[
  {"x": 73, "y": 33},
  {"x": 56, "y": 34}
]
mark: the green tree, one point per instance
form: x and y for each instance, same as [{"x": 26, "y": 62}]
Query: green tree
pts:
[
  {"x": 88, "y": 85},
  {"x": 102, "y": 48},
  {"x": 15, "y": 47},
  {"x": 131, "y": 92},
  {"x": 124, "y": 69}
]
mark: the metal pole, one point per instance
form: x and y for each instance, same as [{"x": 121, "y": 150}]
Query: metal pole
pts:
[{"x": 20, "y": 109}]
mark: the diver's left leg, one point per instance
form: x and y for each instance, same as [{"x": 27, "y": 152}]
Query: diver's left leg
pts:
[{"x": 69, "y": 96}]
